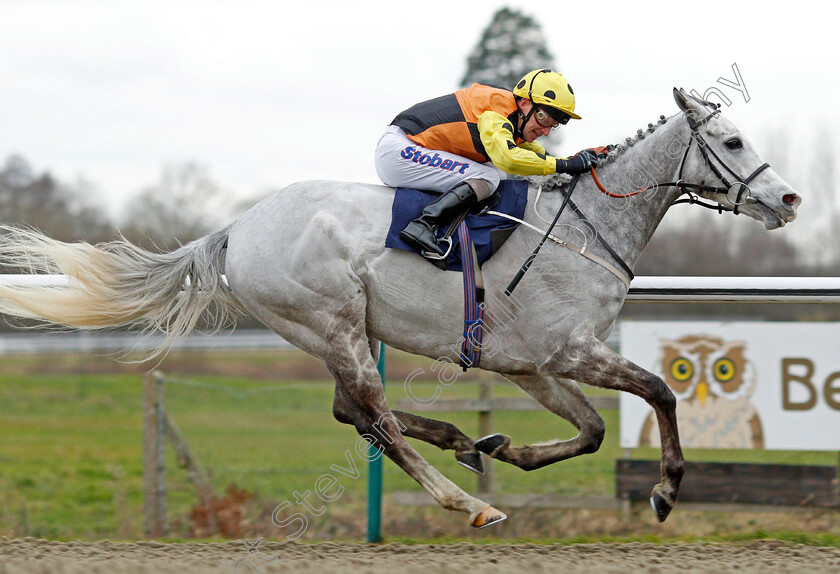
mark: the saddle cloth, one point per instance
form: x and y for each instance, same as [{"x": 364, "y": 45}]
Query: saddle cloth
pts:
[{"x": 488, "y": 232}]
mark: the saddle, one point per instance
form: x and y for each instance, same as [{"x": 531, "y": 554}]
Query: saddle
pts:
[{"x": 487, "y": 232}]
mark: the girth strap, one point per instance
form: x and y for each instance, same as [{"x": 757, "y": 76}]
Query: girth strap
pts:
[{"x": 473, "y": 301}]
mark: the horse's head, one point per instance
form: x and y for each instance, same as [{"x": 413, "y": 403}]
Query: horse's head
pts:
[{"x": 733, "y": 173}]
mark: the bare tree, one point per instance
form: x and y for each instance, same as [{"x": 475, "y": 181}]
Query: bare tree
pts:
[
  {"x": 62, "y": 211},
  {"x": 184, "y": 205},
  {"x": 725, "y": 248},
  {"x": 821, "y": 198}
]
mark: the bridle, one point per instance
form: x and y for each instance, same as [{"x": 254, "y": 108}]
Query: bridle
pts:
[{"x": 743, "y": 195}]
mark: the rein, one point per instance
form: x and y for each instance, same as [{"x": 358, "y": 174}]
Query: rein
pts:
[
  {"x": 525, "y": 266},
  {"x": 686, "y": 188},
  {"x": 689, "y": 189}
]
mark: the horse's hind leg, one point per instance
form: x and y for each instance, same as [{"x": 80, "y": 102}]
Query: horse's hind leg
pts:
[
  {"x": 443, "y": 435},
  {"x": 565, "y": 399},
  {"x": 349, "y": 359}
]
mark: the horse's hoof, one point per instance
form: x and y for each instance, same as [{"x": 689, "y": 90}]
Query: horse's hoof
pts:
[
  {"x": 660, "y": 506},
  {"x": 490, "y": 443},
  {"x": 487, "y": 517},
  {"x": 472, "y": 461}
]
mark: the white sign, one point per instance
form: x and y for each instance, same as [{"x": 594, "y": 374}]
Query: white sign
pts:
[{"x": 738, "y": 385}]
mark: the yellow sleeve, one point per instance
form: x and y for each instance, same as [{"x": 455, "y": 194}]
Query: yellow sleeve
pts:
[
  {"x": 534, "y": 147},
  {"x": 496, "y": 133}
]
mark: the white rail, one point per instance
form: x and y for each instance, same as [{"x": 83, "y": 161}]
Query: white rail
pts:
[
  {"x": 735, "y": 289},
  {"x": 644, "y": 289}
]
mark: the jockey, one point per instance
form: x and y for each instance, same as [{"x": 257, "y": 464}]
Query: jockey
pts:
[{"x": 463, "y": 144}]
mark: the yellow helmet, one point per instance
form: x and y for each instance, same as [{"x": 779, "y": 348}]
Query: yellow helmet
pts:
[{"x": 548, "y": 88}]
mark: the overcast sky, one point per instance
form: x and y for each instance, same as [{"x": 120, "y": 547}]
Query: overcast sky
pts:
[{"x": 266, "y": 93}]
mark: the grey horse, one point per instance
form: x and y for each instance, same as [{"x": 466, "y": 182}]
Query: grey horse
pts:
[{"x": 310, "y": 263}]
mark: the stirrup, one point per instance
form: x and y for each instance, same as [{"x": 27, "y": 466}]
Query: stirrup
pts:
[
  {"x": 486, "y": 204},
  {"x": 437, "y": 257}
]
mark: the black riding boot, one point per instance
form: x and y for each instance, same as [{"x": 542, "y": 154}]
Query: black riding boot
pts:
[{"x": 442, "y": 211}]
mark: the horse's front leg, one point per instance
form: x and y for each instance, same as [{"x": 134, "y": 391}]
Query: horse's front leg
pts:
[
  {"x": 445, "y": 436},
  {"x": 586, "y": 359}
]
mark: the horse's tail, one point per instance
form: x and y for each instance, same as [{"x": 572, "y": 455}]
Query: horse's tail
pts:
[{"x": 119, "y": 284}]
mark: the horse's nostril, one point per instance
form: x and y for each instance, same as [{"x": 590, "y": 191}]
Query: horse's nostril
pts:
[{"x": 792, "y": 199}]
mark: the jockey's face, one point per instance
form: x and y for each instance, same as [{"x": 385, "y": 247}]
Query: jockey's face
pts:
[{"x": 531, "y": 130}]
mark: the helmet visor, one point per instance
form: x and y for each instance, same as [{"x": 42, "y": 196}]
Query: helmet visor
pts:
[
  {"x": 550, "y": 117},
  {"x": 559, "y": 116}
]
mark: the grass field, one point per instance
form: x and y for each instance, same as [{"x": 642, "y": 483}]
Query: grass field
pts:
[{"x": 71, "y": 446}]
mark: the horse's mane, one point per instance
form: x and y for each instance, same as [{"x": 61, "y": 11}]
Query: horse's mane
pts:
[{"x": 560, "y": 180}]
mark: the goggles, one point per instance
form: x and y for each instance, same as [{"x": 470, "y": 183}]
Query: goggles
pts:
[{"x": 547, "y": 121}]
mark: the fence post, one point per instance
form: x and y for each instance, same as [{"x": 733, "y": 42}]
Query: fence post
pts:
[
  {"x": 626, "y": 503},
  {"x": 188, "y": 461},
  {"x": 374, "y": 526},
  {"x": 486, "y": 481},
  {"x": 154, "y": 477}
]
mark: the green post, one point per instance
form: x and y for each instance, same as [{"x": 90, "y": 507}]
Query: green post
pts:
[{"x": 374, "y": 530}]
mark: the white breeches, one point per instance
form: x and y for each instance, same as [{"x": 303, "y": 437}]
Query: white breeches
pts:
[{"x": 402, "y": 163}]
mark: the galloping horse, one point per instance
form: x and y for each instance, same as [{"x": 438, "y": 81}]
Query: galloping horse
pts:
[{"x": 310, "y": 263}]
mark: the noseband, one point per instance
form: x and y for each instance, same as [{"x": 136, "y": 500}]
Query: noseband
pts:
[{"x": 744, "y": 192}]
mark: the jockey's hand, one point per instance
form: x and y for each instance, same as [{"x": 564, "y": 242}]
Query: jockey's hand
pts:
[
  {"x": 593, "y": 157},
  {"x": 578, "y": 163}
]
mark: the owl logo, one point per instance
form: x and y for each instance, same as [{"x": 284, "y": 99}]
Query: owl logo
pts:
[{"x": 713, "y": 383}]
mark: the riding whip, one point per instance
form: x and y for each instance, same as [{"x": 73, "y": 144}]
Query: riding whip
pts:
[{"x": 521, "y": 273}]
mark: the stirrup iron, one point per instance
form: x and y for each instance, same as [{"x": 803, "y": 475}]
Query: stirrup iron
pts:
[{"x": 437, "y": 257}]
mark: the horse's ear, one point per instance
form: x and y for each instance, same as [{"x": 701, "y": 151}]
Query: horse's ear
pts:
[{"x": 682, "y": 99}]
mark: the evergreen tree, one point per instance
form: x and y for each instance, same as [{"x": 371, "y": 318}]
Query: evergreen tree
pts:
[{"x": 510, "y": 47}]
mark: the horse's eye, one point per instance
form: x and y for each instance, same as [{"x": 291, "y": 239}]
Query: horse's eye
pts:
[{"x": 735, "y": 143}]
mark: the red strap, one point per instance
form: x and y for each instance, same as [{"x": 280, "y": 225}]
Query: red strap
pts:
[
  {"x": 599, "y": 150},
  {"x": 605, "y": 190}
]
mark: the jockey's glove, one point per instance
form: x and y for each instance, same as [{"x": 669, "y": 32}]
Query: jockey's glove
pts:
[
  {"x": 593, "y": 156},
  {"x": 578, "y": 163}
]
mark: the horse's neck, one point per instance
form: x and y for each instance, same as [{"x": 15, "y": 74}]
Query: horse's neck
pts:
[{"x": 627, "y": 224}]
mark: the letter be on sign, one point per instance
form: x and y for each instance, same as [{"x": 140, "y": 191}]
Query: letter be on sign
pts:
[
  {"x": 831, "y": 391},
  {"x": 831, "y": 387},
  {"x": 803, "y": 380}
]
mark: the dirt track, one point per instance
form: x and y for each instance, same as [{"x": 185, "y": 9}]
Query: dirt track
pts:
[{"x": 38, "y": 556}]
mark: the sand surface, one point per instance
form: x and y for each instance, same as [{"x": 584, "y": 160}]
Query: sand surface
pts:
[{"x": 31, "y": 556}]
